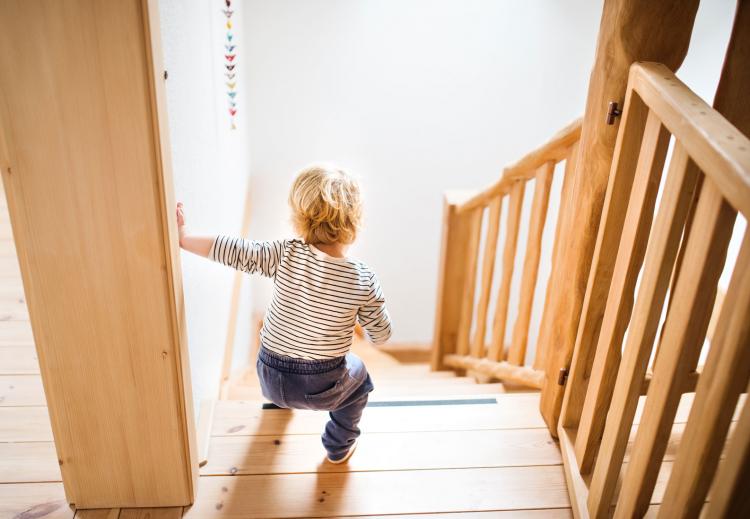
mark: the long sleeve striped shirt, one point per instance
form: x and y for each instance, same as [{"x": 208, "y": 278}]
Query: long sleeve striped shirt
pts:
[{"x": 317, "y": 299}]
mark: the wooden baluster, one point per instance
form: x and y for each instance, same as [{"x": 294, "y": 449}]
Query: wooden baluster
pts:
[
  {"x": 729, "y": 495},
  {"x": 625, "y": 160},
  {"x": 517, "y": 353},
  {"x": 488, "y": 267},
  {"x": 636, "y": 221},
  {"x": 660, "y": 257},
  {"x": 685, "y": 330},
  {"x": 542, "y": 346},
  {"x": 656, "y": 31},
  {"x": 451, "y": 278},
  {"x": 724, "y": 377},
  {"x": 474, "y": 218},
  {"x": 497, "y": 349}
]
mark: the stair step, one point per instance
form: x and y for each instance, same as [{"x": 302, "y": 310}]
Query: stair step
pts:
[
  {"x": 424, "y": 388},
  {"x": 300, "y": 453},
  {"x": 380, "y": 493},
  {"x": 512, "y": 411}
]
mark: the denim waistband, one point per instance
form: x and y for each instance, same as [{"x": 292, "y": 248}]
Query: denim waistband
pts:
[{"x": 297, "y": 366}]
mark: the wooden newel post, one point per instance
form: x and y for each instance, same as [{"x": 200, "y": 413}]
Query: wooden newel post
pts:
[
  {"x": 630, "y": 30},
  {"x": 453, "y": 275},
  {"x": 85, "y": 161}
]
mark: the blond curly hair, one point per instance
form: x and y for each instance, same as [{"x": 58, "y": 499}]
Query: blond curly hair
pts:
[{"x": 326, "y": 205}]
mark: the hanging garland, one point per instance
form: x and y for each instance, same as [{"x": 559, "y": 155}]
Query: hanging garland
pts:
[{"x": 229, "y": 65}]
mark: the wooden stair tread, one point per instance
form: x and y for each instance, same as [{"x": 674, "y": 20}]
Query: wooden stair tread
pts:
[
  {"x": 243, "y": 418},
  {"x": 299, "y": 453},
  {"x": 28, "y": 462},
  {"x": 21, "y": 390},
  {"x": 18, "y": 360},
  {"x": 246, "y": 392},
  {"x": 362, "y": 493},
  {"x": 25, "y": 424},
  {"x": 34, "y": 500},
  {"x": 16, "y": 333}
]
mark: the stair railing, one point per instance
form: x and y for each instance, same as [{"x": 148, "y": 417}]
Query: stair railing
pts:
[
  {"x": 457, "y": 315},
  {"x": 672, "y": 256}
]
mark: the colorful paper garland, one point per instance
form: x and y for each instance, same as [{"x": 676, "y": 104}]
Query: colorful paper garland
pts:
[{"x": 229, "y": 65}]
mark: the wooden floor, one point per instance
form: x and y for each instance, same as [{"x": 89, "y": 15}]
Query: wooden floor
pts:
[{"x": 449, "y": 461}]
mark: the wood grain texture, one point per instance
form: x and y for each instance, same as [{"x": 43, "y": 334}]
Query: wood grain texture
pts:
[
  {"x": 21, "y": 390},
  {"x": 512, "y": 411},
  {"x": 683, "y": 337},
  {"x": 719, "y": 149},
  {"x": 500, "y": 370},
  {"x": 725, "y": 376},
  {"x": 98, "y": 513},
  {"x": 554, "y": 150},
  {"x": 488, "y": 268},
  {"x": 729, "y": 496},
  {"x": 640, "y": 200},
  {"x": 512, "y": 227},
  {"x": 625, "y": 162},
  {"x": 663, "y": 244},
  {"x": 565, "y": 194},
  {"x": 470, "y": 280},
  {"x": 658, "y": 31},
  {"x": 451, "y": 278},
  {"x": 34, "y": 500},
  {"x": 28, "y": 462},
  {"x": 93, "y": 221},
  {"x": 520, "y": 337},
  {"x": 151, "y": 513},
  {"x": 380, "y": 493},
  {"x": 300, "y": 453},
  {"x": 20, "y": 424}
]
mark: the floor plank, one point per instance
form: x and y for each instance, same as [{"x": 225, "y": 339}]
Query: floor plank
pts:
[
  {"x": 18, "y": 360},
  {"x": 515, "y": 411},
  {"x": 393, "y": 389},
  {"x": 387, "y": 451},
  {"x": 16, "y": 333},
  {"x": 151, "y": 513},
  {"x": 24, "y": 462},
  {"x": 25, "y": 424},
  {"x": 21, "y": 390},
  {"x": 34, "y": 500},
  {"x": 98, "y": 513},
  {"x": 379, "y": 493}
]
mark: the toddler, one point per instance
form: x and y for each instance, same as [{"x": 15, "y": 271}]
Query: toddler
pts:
[{"x": 319, "y": 294}]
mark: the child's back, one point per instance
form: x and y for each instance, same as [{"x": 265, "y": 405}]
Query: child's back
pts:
[
  {"x": 317, "y": 298},
  {"x": 319, "y": 295}
]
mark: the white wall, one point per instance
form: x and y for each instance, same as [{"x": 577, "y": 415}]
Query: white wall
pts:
[
  {"x": 416, "y": 97},
  {"x": 210, "y": 164}
]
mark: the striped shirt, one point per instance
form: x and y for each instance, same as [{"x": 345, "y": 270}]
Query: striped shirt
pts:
[{"x": 317, "y": 299}]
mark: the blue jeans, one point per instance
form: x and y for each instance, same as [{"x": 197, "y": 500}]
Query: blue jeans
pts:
[{"x": 339, "y": 386}]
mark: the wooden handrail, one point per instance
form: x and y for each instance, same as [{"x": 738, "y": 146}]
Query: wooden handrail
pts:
[
  {"x": 554, "y": 150},
  {"x": 708, "y": 178},
  {"x": 454, "y": 347}
]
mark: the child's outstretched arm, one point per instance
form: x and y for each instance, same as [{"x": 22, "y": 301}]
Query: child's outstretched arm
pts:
[
  {"x": 248, "y": 256},
  {"x": 200, "y": 245}
]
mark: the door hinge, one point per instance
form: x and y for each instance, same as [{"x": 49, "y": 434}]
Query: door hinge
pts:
[
  {"x": 612, "y": 112},
  {"x": 562, "y": 377}
]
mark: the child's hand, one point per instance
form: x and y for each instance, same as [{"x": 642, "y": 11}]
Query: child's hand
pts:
[
  {"x": 180, "y": 215},
  {"x": 180, "y": 222}
]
